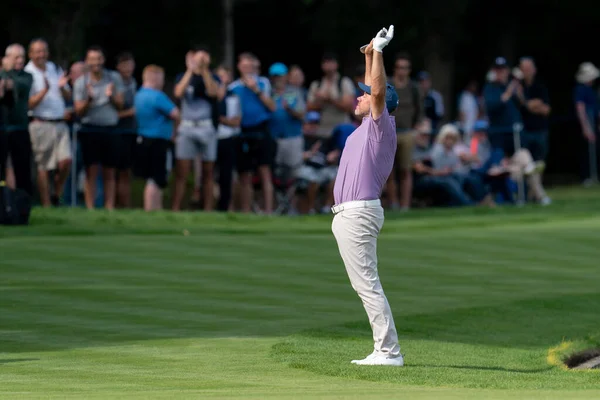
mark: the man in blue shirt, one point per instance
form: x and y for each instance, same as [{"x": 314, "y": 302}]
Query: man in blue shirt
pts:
[
  {"x": 255, "y": 146},
  {"x": 197, "y": 89},
  {"x": 155, "y": 114},
  {"x": 502, "y": 102},
  {"x": 286, "y": 121}
]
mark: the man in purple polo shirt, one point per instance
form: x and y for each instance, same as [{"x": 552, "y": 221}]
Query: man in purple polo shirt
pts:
[{"x": 365, "y": 166}]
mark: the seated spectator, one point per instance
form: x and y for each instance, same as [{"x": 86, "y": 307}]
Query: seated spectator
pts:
[
  {"x": 154, "y": 115},
  {"x": 445, "y": 155},
  {"x": 321, "y": 158},
  {"x": 496, "y": 168},
  {"x": 435, "y": 185}
]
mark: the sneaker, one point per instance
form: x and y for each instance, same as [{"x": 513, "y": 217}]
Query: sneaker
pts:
[
  {"x": 381, "y": 360},
  {"x": 546, "y": 201}
]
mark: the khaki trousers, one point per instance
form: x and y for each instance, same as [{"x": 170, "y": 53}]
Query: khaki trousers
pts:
[{"x": 356, "y": 231}]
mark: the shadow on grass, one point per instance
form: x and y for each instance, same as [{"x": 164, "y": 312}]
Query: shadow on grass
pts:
[
  {"x": 17, "y": 360},
  {"x": 523, "y": 324},
  {"x": 482, "y": 368}
]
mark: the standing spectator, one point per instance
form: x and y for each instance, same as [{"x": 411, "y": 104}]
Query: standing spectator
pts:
[
  {"x": 433, "y": 102},
  {"x": 468, "y": 109},
  {"x": 197, "y": 88},
  {"x": 126, "y": 128},
  {"x": 408, "y": 114},
  {"x": 296, "y": 79},
  {"x": 18, "y": 142},
  {"x": 332, "y": 95},
  {"x": 98, "y": 96},
  {"x": 502, "y": 102},
  {"x": 155, "y": 114},
  {"x": 255, "y": 148},
  {"x": 6, "y": 100},
  {"x": 587, "y": 107},
  {"x": 535, "y": 111},
  {"x": 286, "y": 121},
  {"x": 230, "y": 118},
  {"x": 48, "y": 130}
]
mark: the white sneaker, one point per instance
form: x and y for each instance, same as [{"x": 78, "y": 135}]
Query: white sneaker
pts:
[
  {"x": 381, "y": 360},
  {"x": 546, "y": 201},
  {"x": 372, "y": 355}
]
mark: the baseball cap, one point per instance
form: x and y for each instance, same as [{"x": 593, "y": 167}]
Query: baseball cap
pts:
[
  {"x": 278, "y": 69},
  {"x": 391, "y": 97},
  {"x": 480, "y": 125},
  {"x": 500, "y": 62},
  {"x": 423, "y": 75},
  {"x": 312, "y": 117}
]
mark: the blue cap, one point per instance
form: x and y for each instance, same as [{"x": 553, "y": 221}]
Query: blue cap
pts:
[
  {"x": 391, "y": 97},
  {"x": 500, "y": 62},
  {"x": 480, "y": 125},
  {"x": 312, "y": 117},
  {"x": 423, "y": 75},
  {"x": 278, "y": 69}
]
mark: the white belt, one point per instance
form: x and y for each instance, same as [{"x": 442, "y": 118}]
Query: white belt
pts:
[
  {"x": 356, "y": 204},
  {"x": 196, "y": 124}
]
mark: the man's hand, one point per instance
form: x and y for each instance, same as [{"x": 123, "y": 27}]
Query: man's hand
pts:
[
  {"x": 7, "y": 63},
  {"x": 63, "y": 80},
  {"x": 250, "y": 83},
  {"x": 190, "y": 62},
  {"x": 382, "y": 38},
  {"x": 369, "y": 49},
  {"x": 109, "y": 90}
]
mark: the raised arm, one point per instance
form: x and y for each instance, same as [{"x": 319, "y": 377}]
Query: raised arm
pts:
[{"x": 375, "y": 70}]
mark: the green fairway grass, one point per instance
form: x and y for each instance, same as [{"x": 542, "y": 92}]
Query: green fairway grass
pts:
[{"x": 193, "y": 305}]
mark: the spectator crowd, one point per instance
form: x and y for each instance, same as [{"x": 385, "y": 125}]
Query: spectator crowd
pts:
[{"x": 265, "y": 142}]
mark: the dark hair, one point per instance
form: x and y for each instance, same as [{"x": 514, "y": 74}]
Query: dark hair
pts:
[
  {"x": 124, "y": 56},
  {"x": 329, "y": 56},
  {"x": 359, "y": 70},
  {"x": 38, "y": 40},
  {"x": 247, "y": 55},
  {"x": 196, "y": 47},
  {"x": 95, "y": 48},
  {"x": 225, "y": 68},
  {"x": 403, "y": 56}
]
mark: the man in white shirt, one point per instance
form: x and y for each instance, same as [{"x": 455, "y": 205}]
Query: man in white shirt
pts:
[{"x": 48, "y": 130}]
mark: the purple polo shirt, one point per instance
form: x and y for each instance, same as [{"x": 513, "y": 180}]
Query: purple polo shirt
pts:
[{"x": 367, "y": 160}]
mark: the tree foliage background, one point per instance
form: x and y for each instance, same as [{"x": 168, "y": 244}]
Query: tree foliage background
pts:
[{"x": 455, "y": 40}]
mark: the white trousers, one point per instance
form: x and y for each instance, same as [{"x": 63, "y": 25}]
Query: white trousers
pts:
[{"x": 356, "y": 231}]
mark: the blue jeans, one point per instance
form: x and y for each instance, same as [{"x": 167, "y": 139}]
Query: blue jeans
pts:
[
  {"x": 472, "y": 185},
  {"x": 443, "y": 189},
  {"x": 537, "y": 144}
]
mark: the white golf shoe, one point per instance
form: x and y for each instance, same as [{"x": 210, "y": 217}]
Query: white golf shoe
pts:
[{"x": 380, "y": 359}]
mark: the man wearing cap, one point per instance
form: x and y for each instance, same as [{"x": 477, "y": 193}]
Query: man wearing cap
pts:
[
  {"x": 433, "y": 102},
  {"x": 286, "y": 121},
  {"x": 502, "y": 102},
  {"x": 365, "y": 165}
]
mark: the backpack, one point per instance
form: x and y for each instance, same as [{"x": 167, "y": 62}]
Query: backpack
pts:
[{"x": 15, "y": 206}]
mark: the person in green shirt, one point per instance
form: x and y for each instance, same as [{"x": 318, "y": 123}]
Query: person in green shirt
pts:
[{"x": 16, "y": 127}]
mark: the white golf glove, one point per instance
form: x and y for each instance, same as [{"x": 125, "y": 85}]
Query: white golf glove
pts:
[{"x": 383, "y": 38}]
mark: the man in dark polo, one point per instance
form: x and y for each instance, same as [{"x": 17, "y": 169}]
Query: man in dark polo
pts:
[
  {"x": 535, "y": 111},
  {"x": 503, "y": 99}
]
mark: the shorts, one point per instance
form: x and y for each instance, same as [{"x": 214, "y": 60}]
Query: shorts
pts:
[
  {"x": 290, "y": 152},
  {"x": 50, "y": 143},
  {"x": 254, "y": 148},
  {"x": 404, "y": 151},
  {"x": 318, "y": 175},
  {"x": 100, "y": 147},
  {"x": 127, "y": 150},
  {"x": 154, "y": 160},
  {"x": 194, "y": 140}
]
